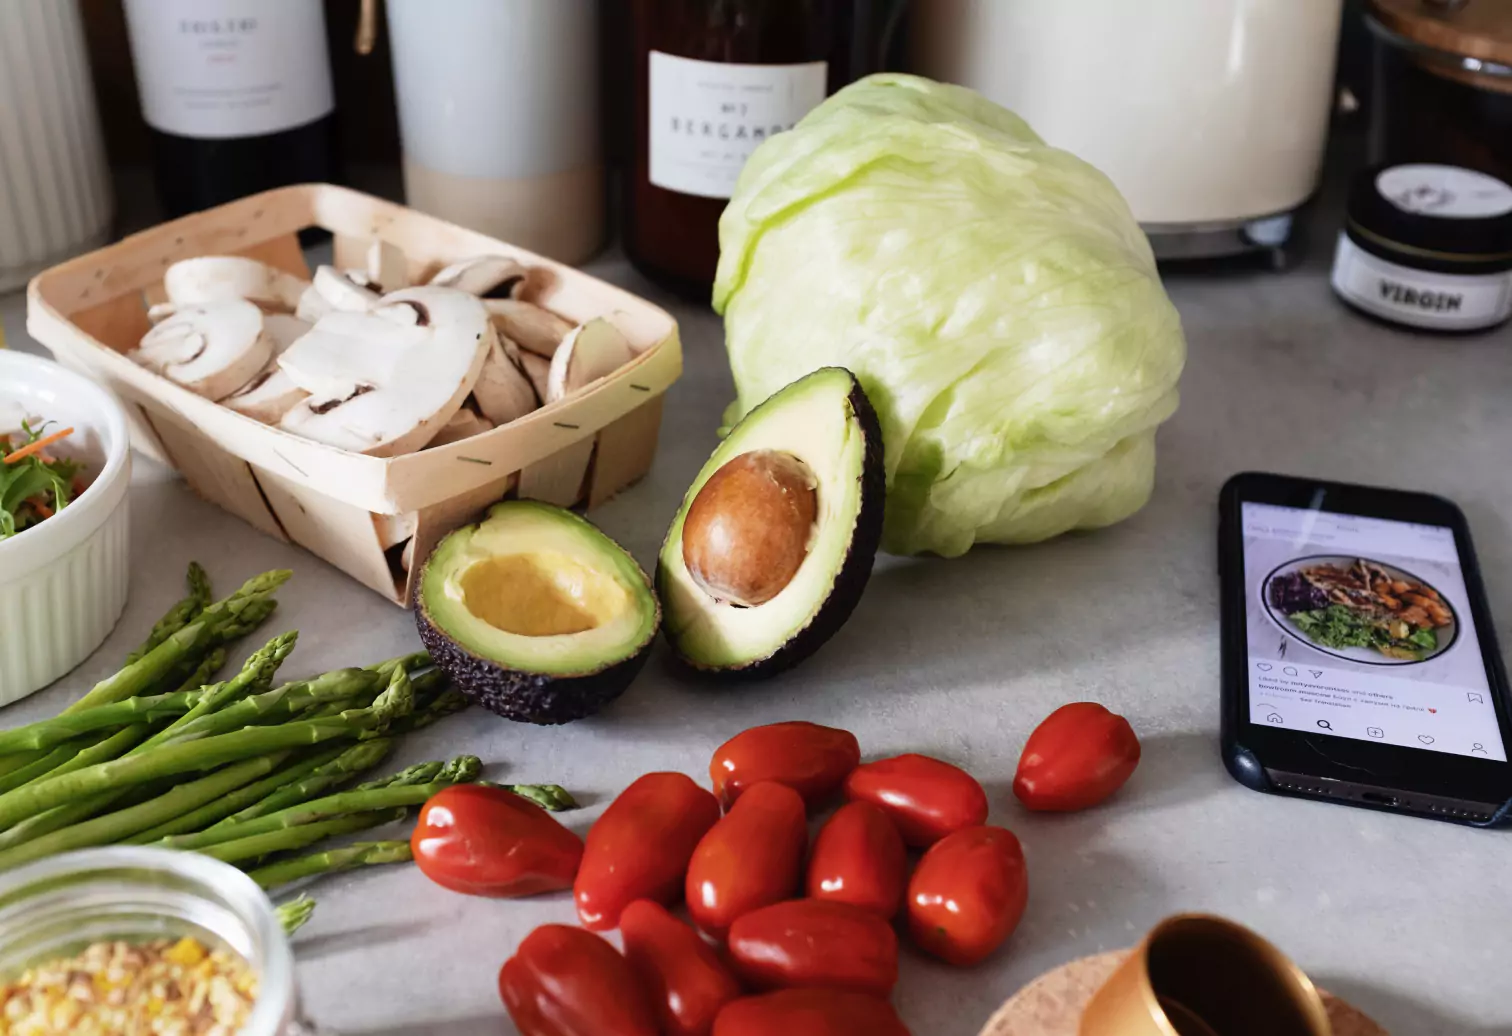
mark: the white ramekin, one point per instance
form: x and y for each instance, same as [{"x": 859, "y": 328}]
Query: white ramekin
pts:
[{"x": 64, "y": 581}]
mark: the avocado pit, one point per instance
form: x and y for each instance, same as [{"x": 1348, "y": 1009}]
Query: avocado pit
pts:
[{"x": 750, "y": 527}]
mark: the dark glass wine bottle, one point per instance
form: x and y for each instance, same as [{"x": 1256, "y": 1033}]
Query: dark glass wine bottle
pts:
[
  {"x": 237, "y": 96},
  {"x": 715, "y": 78}
]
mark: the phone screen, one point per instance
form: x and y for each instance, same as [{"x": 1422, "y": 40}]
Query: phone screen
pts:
[{"x": 1361, "y": 627}]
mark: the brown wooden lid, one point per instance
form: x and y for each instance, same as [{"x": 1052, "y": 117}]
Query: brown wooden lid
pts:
[{"x": 1476, "y": 28}]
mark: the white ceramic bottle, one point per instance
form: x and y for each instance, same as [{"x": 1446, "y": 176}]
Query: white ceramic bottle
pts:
[{"x": 498, "y": 113}]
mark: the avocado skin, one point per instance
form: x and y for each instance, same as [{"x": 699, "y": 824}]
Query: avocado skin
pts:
[
  {"x": 851, "y": 580},
  {"x": 528, "y": 697}
]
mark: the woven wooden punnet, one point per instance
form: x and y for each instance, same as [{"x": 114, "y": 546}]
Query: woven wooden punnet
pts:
[{"x": 355, "y": 511}]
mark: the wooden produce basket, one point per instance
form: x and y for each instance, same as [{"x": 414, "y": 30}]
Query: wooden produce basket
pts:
[{"x": 355, "y": 511}]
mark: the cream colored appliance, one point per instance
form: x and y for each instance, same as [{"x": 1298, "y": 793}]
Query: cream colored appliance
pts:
[{"x": 1209, "y": 115}]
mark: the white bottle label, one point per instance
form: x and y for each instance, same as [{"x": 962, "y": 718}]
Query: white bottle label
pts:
[
  {"x": 213, "y": 69},
  {"x": 1443, "y": 301},
  {"x": 707, "y": 117}
]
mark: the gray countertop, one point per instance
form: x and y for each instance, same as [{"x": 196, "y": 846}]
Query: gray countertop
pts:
[{"x": 1409, "y": 919}]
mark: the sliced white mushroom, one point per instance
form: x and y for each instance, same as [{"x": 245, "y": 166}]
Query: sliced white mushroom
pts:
[
  {"x": 536, "y": 368},
  {"x": 272, "y": 393},
  {"x": 212, "y": 350},
  {"x": 333, "y": 290},
  {"x": 407, "y": 556},
  {"x": 386, "y": 381},
  {"x": 464, "y": 424},
  {"x": 160, "y": 311},
  {"x": 592, "y": 351},
  {"x": 487, "y": 276},
  {"x": 387, "y": 268},
  {"x": 504, "y": 392},
  {"x": 537, "y": 330},
  {"x": 218, "y": 278}
]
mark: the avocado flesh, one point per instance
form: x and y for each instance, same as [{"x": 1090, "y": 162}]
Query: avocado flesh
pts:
[
  {"x": 535, "y": 613},
  {"x": 825, "y": 420}
]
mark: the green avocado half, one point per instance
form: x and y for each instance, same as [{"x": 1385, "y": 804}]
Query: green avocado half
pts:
[
  {"x": 535, "y": 613},
  {"x": 824, "y": 420}
]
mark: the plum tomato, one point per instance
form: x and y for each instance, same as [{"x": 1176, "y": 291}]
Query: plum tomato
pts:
[
  {"x": 486, "y": 841},
  {"x": 811, "y": 759},
  {"x": 811, "y": 943},
  {"x": 926, "y": 798},
  {"x": 859, "y": 858},
  {"x": 809, "y": 1012},
  {"x": 640, "y": 847},
  {"x": 752, "y": 857},
  {"x": 967, "y": 894},
  {"x": 566, "y": 981},
  {"x": 1080, "y": 755},
  {"x": 686, "y": 979}
]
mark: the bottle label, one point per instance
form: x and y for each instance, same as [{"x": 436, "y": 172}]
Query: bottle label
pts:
[
  {"x": 213, "y": 69},
  {"x": 1445, "y": 191},
  {"x": 1419, "y": 298},
  {"x": 707, "y": 117}
]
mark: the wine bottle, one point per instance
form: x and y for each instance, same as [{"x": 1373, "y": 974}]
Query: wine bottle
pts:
[
  {"x": 714, "y": 79},
  {"x": 236, "y": 94}
]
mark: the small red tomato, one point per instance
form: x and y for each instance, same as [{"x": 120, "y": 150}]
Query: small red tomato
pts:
[
  {"x": 809, "y": 943},
  {"x": 926, "y": 798},
  {"x": 1078, "y": 756},
  {"x": 810, "y": 1012},
  {"x": 563, "y": 981},
  {"x": 687, "y": 980},
  {"x": 859, "y": 858},
  {"x": 810, "y": 759},
  {"x": 486, "y": 841},
  {"x": 640, "y": 847},
  {"x": 752, "y": 857},
  {"x": 967, "y": 894}
]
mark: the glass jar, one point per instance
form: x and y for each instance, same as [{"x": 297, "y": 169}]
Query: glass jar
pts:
[{"x": 57, "y": 907}]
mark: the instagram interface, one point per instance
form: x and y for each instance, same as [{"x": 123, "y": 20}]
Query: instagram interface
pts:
[{"x": 1361, "y": 628}]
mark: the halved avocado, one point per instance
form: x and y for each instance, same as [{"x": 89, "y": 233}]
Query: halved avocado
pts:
[
  {"x": 535, "y": 613},
  {"x": 757, "y": 521}
]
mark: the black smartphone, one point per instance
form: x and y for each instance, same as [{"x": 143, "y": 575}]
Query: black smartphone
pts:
[{"x": 1360, "y": 663}]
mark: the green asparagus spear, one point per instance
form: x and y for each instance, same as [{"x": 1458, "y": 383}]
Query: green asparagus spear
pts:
[
  {"x": 353, "y": 760},
  {"x": 548, "y": 796},
  {"x": 188, "y": 756},
  {"x": 409, "y": 788},
  {"x": 48, "y": 734},
  {"x": 42, "y": 763},
  {"x": 215, "y": 625},
  {"x": 411, "y": 663},
  {"x": 277, "y": 706},
  {"x": 358, "y": 854},
  {"x": 208, "y": 667},
  {"x": 180, "y": 615},
  {"x": 112, "y": 827},
  {"x": 255, "y": 672},
  {"x": 293, "y": 914},
  {"x": 289, "y": 838},
  {"x": 226, "y": 805}
]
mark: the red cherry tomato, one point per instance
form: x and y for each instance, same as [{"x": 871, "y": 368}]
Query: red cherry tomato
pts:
[
  {"x": 563, "y": 981},
  {"x": 1078, "y": 756},
  {"x": 926, "y": 798},
  {"x": 640, "y": 847},
  {"x": 687, "y": 980},
  {"x": 859, "y": 858},
  {"x": 810, "y": 943},
  {"x": 809, "y": 1012},
  {"x": 752, "y": 857},
  {"x": 486, "y": 841},
  {"x": 810, "y": 759},
  {"x": 967, "y": 894}
]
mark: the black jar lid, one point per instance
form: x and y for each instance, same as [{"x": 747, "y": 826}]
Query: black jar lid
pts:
[{"x": 1433, "y": 217}]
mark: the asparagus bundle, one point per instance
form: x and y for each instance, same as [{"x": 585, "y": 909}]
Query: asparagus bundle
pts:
[{"x": 157, "y": 754}]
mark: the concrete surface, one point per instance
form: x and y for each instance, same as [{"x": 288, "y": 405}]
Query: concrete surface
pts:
[{"x": 1409, "y": 919}]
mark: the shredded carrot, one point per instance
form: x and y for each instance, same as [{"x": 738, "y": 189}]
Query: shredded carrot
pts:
[
  {"x": 38, "y": 446},
  {"x": 41, "y": 506}
]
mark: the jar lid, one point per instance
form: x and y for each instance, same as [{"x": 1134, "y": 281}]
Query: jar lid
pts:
[
  {"x": 1480, "y": 29},
  {"x": 1441, "y": 213}
]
